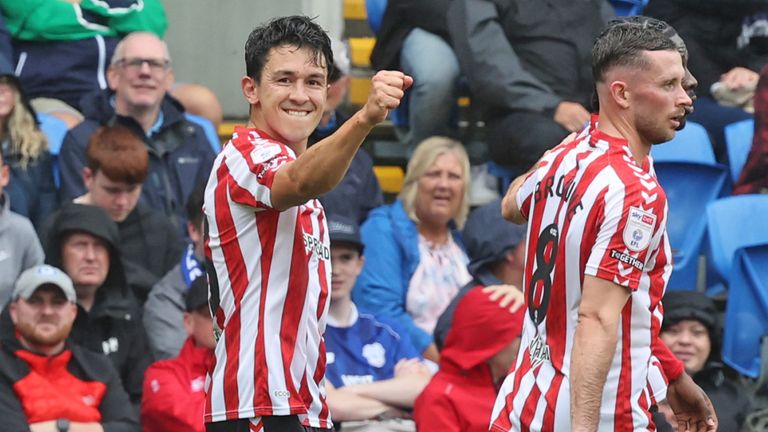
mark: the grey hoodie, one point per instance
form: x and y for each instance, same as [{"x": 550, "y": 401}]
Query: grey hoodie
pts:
[{"x": 19, "y": 247}]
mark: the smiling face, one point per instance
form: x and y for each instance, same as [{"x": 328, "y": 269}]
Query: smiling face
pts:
[
  {"x": 140, "y": 74},
  {"x": 44, "y": 319},
  {"x": 689, "y": 341},
  {"x": 288, "y": 101},
  {"x": 440, "y": 190},
  {"x": 657, "y": 96}
]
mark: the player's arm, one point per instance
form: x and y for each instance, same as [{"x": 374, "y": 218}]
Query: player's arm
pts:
[
  {"x": 321, "y": 167},
  {"x": 510, "y": 210},
  {"x": 594, "y": 346},
  {"x": 411, "y": 376}
]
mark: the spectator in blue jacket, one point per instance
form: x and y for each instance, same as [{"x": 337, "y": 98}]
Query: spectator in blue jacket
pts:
[
  {"x": 180, "y": 156},
  {"x": 415, "y": 258}
]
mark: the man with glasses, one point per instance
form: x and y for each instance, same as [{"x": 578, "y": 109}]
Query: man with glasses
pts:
[{"x": 140, "y": 76}]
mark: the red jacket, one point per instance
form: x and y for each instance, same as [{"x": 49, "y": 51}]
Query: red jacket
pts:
[
  {"x": 460, "y": 396},
  {"x": 174, "y": 391}
]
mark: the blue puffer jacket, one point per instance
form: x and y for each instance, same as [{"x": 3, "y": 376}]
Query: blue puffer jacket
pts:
[
  {"x": 180, "y": 155},
  {"x": 391, "y": 258}
]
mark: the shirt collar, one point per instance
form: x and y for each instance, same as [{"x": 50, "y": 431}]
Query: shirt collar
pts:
[{"x": 353, "y": 315}]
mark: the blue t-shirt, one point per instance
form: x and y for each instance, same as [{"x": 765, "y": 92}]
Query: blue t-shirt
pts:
[{"x": 366, "y": 351}]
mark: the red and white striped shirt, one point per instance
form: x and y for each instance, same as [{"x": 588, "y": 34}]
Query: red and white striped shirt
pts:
[
  {"x": 269, "y": 273},
  {"x": 591, "y": 211}
]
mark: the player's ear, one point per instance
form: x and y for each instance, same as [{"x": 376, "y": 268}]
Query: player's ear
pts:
[
  {"x": 620, "y": 93},
  {"x": 250, "y": 90}
]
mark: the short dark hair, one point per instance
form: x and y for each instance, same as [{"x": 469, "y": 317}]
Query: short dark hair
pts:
[
  {"x": 118, "y": 153},
  {"x": 297, "y": 31},
  {"x": 623, "y": 45}
]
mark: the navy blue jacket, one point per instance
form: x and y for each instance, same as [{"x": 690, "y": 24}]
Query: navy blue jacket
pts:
[
  {"x": 32, "y": 190},
  {"x": 80, "y": 67},
  {"x": 180, "y": 155}
]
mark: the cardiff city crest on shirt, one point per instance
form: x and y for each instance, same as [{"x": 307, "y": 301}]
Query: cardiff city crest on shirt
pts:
[
  {"x": 375, "y": 354},
  {"x": 639, "y": 229}
]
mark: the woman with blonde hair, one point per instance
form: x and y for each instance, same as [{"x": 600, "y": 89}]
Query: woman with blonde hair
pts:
[
  {"x": 31, "y": 190},
  {"x": 415, "y": 262}
]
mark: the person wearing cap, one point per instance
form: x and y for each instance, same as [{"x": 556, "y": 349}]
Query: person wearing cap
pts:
[
  {"x": 480, "y": 348},
  {"x": 85, "y": 243},
  {"x": 359, "y": 191},
  {"x": 19, "y": 245},
  {"x": 47, "y": 382},
  {"x": 174, "y": 393},
  {"x": 497, "y": 260},
  {"x": 373, "y": 372},
  {"x": 691, "y": 329}
]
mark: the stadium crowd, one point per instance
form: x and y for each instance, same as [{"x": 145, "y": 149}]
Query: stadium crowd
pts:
[{"x": 105, "y": 322}]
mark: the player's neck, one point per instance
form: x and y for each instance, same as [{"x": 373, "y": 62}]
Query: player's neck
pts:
[
  {"x": 619, "y": 126},
  {"x": 297, "y": 147}
]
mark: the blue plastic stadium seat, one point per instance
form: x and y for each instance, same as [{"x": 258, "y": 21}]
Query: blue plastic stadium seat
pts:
[
  {"x": 691, "y": 144},
  {"x": 746, "y": 314},
  {"x": 503, "y": 173},
  {"x": 629, "y": 7},
  {"x": 690, "y": 187},
  {"x": 375, "y": 11},
  {"x": 733, "y": 223},
  {"x": 208, "y": 128},
  {"x": 738, "y": 141},
  {"x": 54, "y": 130}
]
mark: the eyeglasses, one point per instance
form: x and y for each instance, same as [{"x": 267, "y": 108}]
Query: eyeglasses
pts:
[{"x": 135, "y": 63}]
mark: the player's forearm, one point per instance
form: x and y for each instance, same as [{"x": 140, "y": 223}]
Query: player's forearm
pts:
[
  {"x": 594, "y": 346},
  {"x": 509, "y": 208},
  {"x": 321, "y": 167},
  {"x": 400, "y": 391}
]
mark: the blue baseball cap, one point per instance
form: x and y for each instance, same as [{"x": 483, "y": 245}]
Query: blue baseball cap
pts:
[
  {"x": 488, "y": 236},
  {"x": 344, "y": 229}
]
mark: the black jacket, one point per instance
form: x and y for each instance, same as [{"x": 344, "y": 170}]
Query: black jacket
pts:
[
  {"x": 149, "y": 246},
  {"x": 113, "y": 325},
  {"x": 527, "y": 55},
  {"x": 710, "y": 29},
  {"x": 400, "y": 17},
  {"x": 116, "y": 415},
  {"x": 180, "y": 155}
]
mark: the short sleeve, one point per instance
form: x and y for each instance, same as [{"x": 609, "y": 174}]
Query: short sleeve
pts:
[
  {"x": 252, "y": 163},
  {"x": 628, "y": 232}
]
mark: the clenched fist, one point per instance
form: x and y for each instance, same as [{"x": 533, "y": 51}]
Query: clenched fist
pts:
[{"x": 386, "y": 92}]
